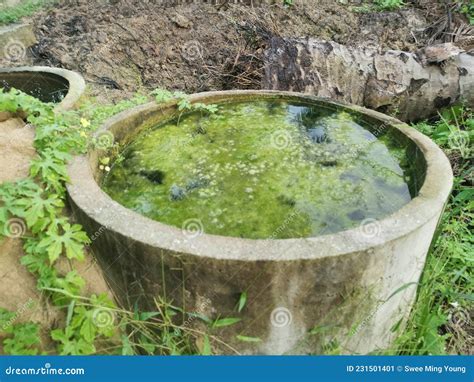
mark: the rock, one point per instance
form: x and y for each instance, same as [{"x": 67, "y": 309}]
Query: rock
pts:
[
  {"x": 393, "y": 81},
  {"x": 317, "y": 135},
  {"x": 177, "y": 193},
  {"x": 182, "y": 21},
  {"x": 440, "y": 52}
]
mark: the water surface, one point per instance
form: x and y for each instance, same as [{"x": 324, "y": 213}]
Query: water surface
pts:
[{"x": 259, "y": 170}]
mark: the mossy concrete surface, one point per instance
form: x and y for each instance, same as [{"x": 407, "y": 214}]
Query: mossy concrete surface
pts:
[{"x": 340, "y": 292}]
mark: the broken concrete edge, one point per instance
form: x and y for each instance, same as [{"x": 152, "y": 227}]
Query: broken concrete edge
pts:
[
  {"x": 76, "y": 82},
  {"x": 392, "y": 81},
  {"x": 86, "y": 194}
]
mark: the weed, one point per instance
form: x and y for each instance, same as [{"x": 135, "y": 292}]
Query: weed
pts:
[
  {"x": 388, "y": 5},
  {"x": 12, "y": 14},
  {"x": 183, "y": 102},
  {"x": 94, "y": 324},
  {"x": 447, "y": 279},
  {"x": 379, "y": 5},
  {"x": 467, "y": 9},
  {"x": 20, "y": 338}
]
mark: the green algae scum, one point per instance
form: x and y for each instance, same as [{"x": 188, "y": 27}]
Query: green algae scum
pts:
[{"x": 263, "y": 169}]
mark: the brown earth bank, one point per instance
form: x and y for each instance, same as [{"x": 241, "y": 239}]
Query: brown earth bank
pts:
[
  {"x": 125, "y": 45},
  {"x": 18, "y": 289}
]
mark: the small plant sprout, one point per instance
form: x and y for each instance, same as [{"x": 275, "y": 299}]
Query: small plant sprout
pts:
[{"x": 183, "y": 102}]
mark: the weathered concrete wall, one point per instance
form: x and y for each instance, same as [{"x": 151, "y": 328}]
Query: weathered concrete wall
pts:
[
  {"x": 303, "y": 294},
  {"x": 37, "y": 79}
]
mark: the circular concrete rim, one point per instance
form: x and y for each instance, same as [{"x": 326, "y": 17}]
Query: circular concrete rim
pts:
[
  {"x": 86, "y": 195},
  {"x": 77, "y": 84}
]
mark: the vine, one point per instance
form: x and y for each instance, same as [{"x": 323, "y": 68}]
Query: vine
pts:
[{"x": 38, "y": 202}]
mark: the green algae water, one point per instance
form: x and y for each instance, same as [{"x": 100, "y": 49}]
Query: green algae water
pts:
[{"x": 261, "y": 169}]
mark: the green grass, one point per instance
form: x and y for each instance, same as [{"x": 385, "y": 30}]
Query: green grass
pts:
[
  {"x": 11, "y": 14},
  {"x": 467, "y": 9},
  {"x": 388, "y": 5},
  {"x": 439, "y": 322},
  {"x": 377, "y": 6}
]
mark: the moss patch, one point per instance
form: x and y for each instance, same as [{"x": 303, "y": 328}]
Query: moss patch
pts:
[{"x": 264, "y": 169}]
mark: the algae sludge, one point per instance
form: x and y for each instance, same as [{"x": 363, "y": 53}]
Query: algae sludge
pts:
[{"x": 265, "y": 169}]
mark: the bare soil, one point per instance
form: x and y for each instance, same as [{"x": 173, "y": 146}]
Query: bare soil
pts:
[
  {"x": 122, "y": 46},
  {"x": 16, "y": 149},
  {"x": 18, "y": 291}
]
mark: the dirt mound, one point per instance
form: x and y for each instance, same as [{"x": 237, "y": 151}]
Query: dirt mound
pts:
[
  {"x": 16, "y": 149},
  {"x": 129, "y": 44}
]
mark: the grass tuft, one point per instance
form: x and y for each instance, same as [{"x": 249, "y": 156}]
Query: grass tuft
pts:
[
  {"x": 441, "y": 319},
  {"x": 11, "y": 14}
]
